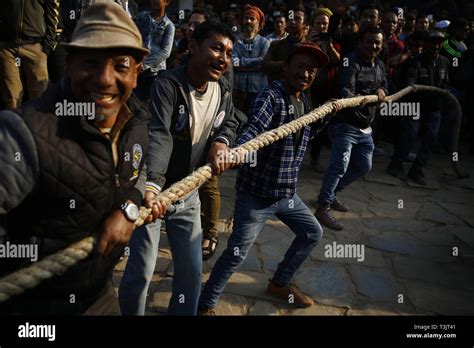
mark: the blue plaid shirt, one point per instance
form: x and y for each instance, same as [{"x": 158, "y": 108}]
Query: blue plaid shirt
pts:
[
  {"x": 276, "y": 171},
  {"x": 250, "y": 53}
]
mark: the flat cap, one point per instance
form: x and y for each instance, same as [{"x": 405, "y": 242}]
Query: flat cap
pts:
[{"x": 105, "y": 24}]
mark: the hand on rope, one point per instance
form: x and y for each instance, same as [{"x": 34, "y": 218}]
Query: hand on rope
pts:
[
  {"x": 158, "y": 209},
  {"x": 116, "y": 232},
  {"x": 337, "y": 107},
  {"x": 218, "y": 156},
  {"x": 380, "y": 94}
]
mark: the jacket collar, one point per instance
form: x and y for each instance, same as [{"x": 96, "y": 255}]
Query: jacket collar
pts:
[{"x": 179, "y": 77}]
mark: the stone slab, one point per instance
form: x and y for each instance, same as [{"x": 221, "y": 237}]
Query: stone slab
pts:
[
  {"x": 441, "y": 300},
  {"x": 458, "y": 209},
  {"x": 467, "y": 183},
  {"x": 465, "y": 234},
  {"x": 390, "y": 194},
  {"x": 352, "y": 232},
  {"x": 319, "y": 310},
  {"x": 395, "y": 209},
  {"x": 232, "y": 305},
  {"x": 170, "y": 270},
  {"x": 439, "y": 235},
  {"x": 358, "y": 191},
  {"x": 370, "y": 311},
  {"x": 251, "y": 284},
  {"x": 328, "y": 283},
  {"x": 454, "y": 195},
  {"x": 404, "y": 243},
  {"x": 164, "y": 244},
  {"x": 431, "y": 183},
  {"x": 384, "y": 224},
  {"x": 451, "y": 275},
  {"x": 273, "y": 251},
  {"x": 265, "y": 308},
  {"x": 159, "y": 297},
  {"x": 353, "y": 204},
  {"x": 377, "y": 285},
  {"x": 433, "y": 212},
  {"x": 381, "y": 177}
]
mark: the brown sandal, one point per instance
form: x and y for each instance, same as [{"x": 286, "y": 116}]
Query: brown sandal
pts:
[{"x": 209, "y": 251}]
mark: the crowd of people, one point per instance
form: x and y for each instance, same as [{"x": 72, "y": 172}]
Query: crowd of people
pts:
[{"x": 173, "y": 91}]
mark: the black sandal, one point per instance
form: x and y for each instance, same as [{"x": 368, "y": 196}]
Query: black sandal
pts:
[{"x": 208, "y": 252}]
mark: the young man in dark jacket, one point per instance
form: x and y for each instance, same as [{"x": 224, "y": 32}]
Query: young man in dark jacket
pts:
[
  {"x": 72, "y": 166},
  {"x": 193, "y": 121},
  {"x": 431, "y": 69},
  {"x": 350, "y": 132}
]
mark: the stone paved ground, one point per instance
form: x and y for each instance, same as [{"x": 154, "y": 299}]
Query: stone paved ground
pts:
[{"x": 409, "y": 267}]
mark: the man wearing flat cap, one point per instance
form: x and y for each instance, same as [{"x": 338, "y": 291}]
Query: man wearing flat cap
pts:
[
  {"x": 269, "y": 188},
  {"x": 247, "y": 59},
  {"x": 72, "y": 166}
]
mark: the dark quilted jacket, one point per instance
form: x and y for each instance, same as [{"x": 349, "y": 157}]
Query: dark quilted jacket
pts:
[{"x": 76, "y": 189}]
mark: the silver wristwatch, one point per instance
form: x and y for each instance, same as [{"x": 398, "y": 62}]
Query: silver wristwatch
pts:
[{"x": 131, "y": 211}]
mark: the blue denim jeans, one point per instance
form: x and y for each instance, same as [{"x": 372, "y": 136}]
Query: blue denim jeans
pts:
[
  {"x": 351, "y": 158},
  {"x": 250, "y": 215},
  {"x": 183, "y": 228},
  {"x": 408, "y": 132}
]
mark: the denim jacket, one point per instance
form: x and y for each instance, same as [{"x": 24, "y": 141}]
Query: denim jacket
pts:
[
  {"x": 158, "y": 37},
  {"x": 250, "y": 54}
]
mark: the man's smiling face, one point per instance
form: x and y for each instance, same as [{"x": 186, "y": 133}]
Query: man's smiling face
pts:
[
  {"x": 212, "y": 57},
  {"x": 300, "y": 71},
  {"x": 105, "y": 77}
]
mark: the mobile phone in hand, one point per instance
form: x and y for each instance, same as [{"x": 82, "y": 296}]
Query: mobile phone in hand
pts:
[{"x": 320, "y": 37}]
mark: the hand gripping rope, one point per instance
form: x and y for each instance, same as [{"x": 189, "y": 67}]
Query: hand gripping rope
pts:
[{"x": 56, "y": 264}]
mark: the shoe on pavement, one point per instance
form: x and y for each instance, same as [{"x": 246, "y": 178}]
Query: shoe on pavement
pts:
[
  {"x": 395, "y": 168},
  {"x": 416, "y": 174},
  {"x": 291, "y": 293},
  {"x": 326, "y": 218},
  {"x": 338, "y": 206}
]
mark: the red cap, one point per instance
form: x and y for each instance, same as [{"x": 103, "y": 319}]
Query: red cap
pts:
[{"x": 311, "y": 49}]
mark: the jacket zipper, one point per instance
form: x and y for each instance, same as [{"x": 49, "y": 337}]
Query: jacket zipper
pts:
[
  {"x": 21, "y": 20},
  {"x": 119, "y": 152}
]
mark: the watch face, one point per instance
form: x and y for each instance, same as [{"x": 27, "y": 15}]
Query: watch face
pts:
[{"x": 133, "y": 211}]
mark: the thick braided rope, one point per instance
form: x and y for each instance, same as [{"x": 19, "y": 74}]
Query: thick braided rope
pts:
[{"x": 56, "y": 264}]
